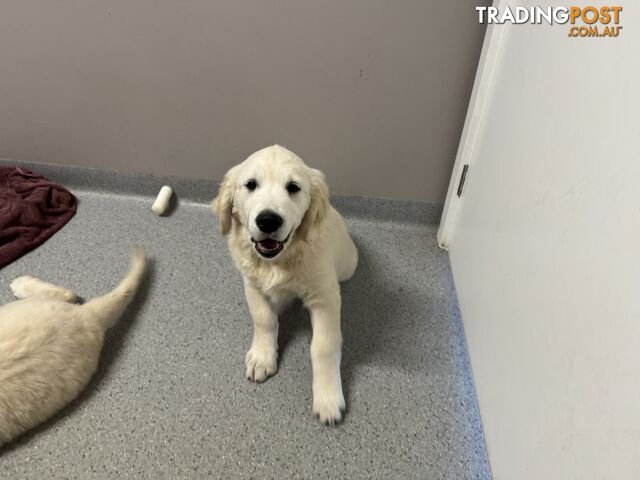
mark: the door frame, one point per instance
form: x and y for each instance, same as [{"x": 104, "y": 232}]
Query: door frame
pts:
[{"x": 473, "y": 124}]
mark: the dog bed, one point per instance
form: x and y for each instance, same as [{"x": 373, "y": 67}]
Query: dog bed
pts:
[{"x": 32, "y": 209}]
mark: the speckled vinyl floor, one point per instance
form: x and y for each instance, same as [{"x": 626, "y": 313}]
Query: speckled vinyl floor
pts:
[{"x": 170, "y": 399}]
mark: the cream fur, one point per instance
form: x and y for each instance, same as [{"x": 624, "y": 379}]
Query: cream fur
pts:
[
  {"x": 318, "y": 254},
  {"x": 49, "y": 347}
]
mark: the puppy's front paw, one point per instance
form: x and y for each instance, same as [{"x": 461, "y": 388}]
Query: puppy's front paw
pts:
[
  {"x": 21, "y": 286},
  {"x": 328, "y": 405},
  {"x": 261, "y": 363}
]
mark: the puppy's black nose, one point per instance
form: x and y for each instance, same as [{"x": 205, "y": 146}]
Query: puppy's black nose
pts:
[{"x": 268, "y": 221}]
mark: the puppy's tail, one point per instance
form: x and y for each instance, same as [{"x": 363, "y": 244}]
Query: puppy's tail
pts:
[{"x": 109, "y": 307}]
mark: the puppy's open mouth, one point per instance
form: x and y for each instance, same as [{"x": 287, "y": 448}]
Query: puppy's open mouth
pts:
[{"x": 268, "y": 247}]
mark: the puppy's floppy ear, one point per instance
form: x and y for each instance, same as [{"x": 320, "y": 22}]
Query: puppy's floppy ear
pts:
[
  {"x": 318, "y": 206},
  {"x": 223, "y": 203}
]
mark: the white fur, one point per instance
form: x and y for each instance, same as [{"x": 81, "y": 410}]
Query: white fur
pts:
[
  {"x": 319, "y": 253},
  {"x": 49, "y": 347}
]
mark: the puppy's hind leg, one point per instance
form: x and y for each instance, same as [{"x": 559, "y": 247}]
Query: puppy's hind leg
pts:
[
  {"x": 347, "y": 258},
  {"x": 31, "y": 287}
]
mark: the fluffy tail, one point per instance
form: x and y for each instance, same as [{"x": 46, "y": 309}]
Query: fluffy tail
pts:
[{"x": 109, "y": 307}]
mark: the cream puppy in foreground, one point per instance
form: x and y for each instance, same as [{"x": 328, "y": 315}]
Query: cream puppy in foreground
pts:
[
  {"x": 49, "y": 346},
  {"x": 288, "y": 241}
]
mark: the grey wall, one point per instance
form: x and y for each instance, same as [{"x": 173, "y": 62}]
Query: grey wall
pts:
[{"x": 373, "y": 92}]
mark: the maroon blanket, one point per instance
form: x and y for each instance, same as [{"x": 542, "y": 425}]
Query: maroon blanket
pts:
[{"x": 32, "y": 209}]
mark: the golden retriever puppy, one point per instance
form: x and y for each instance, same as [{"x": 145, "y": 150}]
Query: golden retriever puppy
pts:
[
  {"x": 288, "y": 241},
  {"x": 49, "y": 347}
]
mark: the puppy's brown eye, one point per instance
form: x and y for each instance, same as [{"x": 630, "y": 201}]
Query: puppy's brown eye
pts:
[
  {"x": 293, "y": 187},
  {"x": 251, "y": 185}
]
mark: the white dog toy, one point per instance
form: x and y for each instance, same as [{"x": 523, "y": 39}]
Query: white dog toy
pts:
[{"x": 162, "y": 200}]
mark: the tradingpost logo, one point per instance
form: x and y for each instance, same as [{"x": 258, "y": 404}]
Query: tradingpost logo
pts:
[{"x": 587, "y": 21}]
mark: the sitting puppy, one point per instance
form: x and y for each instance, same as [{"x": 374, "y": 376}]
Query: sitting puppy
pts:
[
  {"x": 288, "y": 241},
  {"x": 49, "y": 346}
]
